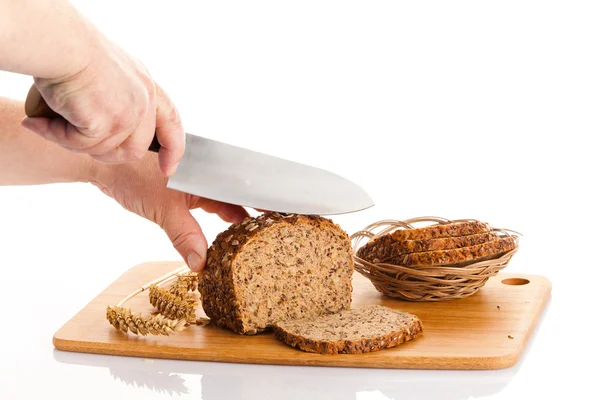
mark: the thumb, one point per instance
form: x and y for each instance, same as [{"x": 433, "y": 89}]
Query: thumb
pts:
[{"x": 187, "y": 237}]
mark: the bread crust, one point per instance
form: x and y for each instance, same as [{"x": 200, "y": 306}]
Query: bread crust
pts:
[
  {"x": 385, "y": 248},
  {"x": 220, "y": 299},
  {"x": 412, "y": 330}
]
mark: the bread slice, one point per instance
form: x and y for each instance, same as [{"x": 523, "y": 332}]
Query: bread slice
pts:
[
  {"x": 385, "y": 248},
  {"x": 361, "y": 330},
  {"x": 463, "y": 228},
  {"x": 460, "y": 256},
  {"x": 276, "y": 267}
]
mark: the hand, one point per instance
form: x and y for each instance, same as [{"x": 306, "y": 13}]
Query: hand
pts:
[
  {"x": 111, "y": 109},
  {"x": 140, "y": 188}
]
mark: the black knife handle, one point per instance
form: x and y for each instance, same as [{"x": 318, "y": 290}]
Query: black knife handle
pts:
[
  {"x": 36, "y": 106},
  {"x": 154, "y": 146}
]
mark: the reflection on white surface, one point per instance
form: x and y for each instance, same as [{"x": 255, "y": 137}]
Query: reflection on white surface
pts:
[
  {"x": 221, "y": 381},
  {"x": 158, "y": 381},
  {"x": 239, "y": 381}
]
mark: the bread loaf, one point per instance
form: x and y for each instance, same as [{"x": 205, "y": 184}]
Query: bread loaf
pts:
[
  {"x": 276, "y": 268},
  {"x": 365, "y": 329}
]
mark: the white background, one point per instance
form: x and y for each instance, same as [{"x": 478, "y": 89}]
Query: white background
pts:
[{"x": 459, "y": 109}]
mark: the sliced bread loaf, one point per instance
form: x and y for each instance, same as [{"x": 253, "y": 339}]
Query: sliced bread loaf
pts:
[
  {"x": 385, "y": 248},
  {"x": 361, "y": 330},
  {"x": 274, "y": 268}
]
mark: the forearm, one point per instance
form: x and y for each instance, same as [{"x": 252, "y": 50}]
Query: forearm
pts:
[
  {"x": 43, "y": 38},
  {"x": 27, "y": 159}
]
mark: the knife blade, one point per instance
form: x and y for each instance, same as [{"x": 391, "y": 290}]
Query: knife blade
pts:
[
  {"x": 231, "y": 174},
  {"x": 235, "y": 175}
]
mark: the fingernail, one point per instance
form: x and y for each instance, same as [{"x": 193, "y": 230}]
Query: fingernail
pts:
[{"x": 194, "y": 261}]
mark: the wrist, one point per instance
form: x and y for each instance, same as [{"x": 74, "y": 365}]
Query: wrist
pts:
[
  {"x": 97, "y": 173},
  {"x": 76, "y": 168}
]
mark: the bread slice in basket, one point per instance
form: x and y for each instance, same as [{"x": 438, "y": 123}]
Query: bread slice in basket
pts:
[
  {"x": 385, "y": 248},
  {"x": 459, "y": 256},
  {"x": 361, "y": 330},
  {"x": 456, "y": 244}
]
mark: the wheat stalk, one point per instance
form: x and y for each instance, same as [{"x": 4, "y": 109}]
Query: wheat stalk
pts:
[
  {"x": 166, "y": 277},
  {"x": 126, "y": 321},
  {"x": 176, "y": 306}
]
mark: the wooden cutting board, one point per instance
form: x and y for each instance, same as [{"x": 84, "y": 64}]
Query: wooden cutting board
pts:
[{"x": 487, "y": 330}]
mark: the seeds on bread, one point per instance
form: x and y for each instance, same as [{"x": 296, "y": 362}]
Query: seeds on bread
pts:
[
  {"x": 276, "y": 267},
  {"x": 361, "y": 330}
]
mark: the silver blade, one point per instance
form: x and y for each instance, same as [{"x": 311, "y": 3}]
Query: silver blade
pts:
[{"x": 231, "y": 174}]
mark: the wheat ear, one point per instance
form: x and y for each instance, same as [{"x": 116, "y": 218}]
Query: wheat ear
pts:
[
  {"x": 178, "y": 306},
  {"x": 184, "y": 284},
  {"x": 126, "y": 321}
]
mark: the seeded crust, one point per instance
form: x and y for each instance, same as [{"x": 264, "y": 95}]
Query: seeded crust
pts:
[
  {"x": 276, "y": 267},
  {"x": 488, "y": 250},
  {"x": 385, "y": 248},
  {"x": 442, "y": 230},
  {"x": 365, "y": 329}
]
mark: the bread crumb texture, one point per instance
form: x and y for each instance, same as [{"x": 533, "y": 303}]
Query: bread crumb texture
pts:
[
  {"x": 361, "y": 330},
  {"x": 276, "y": 267}
]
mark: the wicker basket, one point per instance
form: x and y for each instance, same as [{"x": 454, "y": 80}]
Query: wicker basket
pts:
[{"x": 430, "y": 283}]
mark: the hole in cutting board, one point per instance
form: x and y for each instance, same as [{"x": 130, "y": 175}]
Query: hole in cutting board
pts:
[{"x": 515, "y": 281}]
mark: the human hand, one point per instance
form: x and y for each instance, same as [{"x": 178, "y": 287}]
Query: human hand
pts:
[
  {"x": 111, "y": 109},
  {"x": 140, "y": 188}
]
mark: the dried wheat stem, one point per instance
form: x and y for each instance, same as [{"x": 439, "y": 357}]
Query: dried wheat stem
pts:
[{"x": 162, "y": 279}]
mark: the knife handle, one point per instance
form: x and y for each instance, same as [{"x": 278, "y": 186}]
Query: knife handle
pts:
[{"x": 36, "y": 106}]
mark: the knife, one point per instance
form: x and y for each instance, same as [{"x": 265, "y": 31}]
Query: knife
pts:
[{"x": 235, "y": 175}]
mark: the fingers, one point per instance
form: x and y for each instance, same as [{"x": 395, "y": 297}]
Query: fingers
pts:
[
  {"x": 61, "y": 132},
  {"x": 233, "y": 214},
  {"x": 113, "y": 126},
  {"x": 186, "y": 235},
  {"x": 227, "y": 212},
  {"x": 169, "y": 132},
  {"x": 114, "y": 149},
  {"x": 132, "y": 148},
  {"x": 187, "y": 238}
]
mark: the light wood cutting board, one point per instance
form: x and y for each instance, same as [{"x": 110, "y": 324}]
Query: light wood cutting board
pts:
[{"x": 485, "y": 331}]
